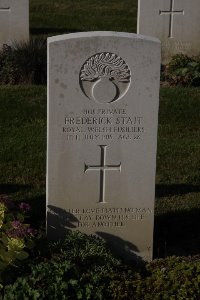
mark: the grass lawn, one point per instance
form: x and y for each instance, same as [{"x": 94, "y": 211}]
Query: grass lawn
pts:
[
  {"x": 177, "y": 219},
  {"x": 57, "y": 17},
  {"x": 23, "y": 161},
  {"x": 23, "y": 145}
]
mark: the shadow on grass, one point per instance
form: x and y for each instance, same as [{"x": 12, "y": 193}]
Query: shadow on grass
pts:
[
  {"x": 13, "y": 188},
  {"x": 164, "y": 190},
  {"x": 38, "y": 211},
  {"x": 44, "y": 31},
  {"x": 177, "y": 234}
]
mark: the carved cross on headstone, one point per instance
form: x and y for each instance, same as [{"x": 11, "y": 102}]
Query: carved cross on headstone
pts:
[
  {"x": 103, "y": 167},
  {"x": 171, "y": 14}
]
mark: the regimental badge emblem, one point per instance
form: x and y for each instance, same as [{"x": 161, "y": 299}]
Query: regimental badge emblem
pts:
[{"x": 105, "y": 77}]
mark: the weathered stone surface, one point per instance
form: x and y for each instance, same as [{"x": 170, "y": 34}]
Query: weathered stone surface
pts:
[
  {"x": 14, "y": 21},
  {"x": 103, "y": 94},
  {"x": 175, "y": 22}
]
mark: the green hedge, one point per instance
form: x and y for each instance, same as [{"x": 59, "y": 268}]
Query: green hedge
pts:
[
  {"x": 24, "y": 63},
  {"x": 182, "y": 70},
  {"x": 82, "y": 267}
]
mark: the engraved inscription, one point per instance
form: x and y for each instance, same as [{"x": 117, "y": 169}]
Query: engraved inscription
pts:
[
  {"x": 105, "y": 77},
  {"x": 103, "y": 167},
  {"x": 171, "y": 14},
  {"x": 183, "y": 47},
  {"x": 103, "y": 125},
  {"x": 105, "y": 217}
]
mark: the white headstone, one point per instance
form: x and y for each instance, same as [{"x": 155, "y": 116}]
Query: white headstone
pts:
[
  {"x": 14, "y": 21},
  {"x": 175, "y": 22},
  {"x": 103, "y": 95}
]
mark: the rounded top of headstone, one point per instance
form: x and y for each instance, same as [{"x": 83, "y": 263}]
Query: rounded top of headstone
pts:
[{"x": 93, "y": 34}]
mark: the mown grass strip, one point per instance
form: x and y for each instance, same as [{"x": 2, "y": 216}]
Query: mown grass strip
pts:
[{"x": 56, "y": 17}]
